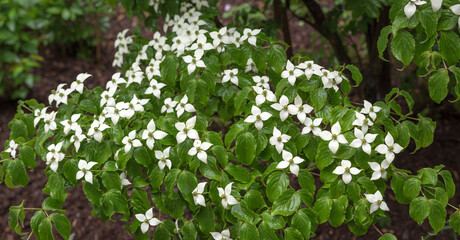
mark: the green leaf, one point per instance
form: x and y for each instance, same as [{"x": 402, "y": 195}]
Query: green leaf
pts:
[
  {"x": 254, "y": 199},
  {"x": 205, "y": 219},
  {"x": 292, "y": 234},
  {"x": 287, "y": 203},
  {"x": 397, "y": 185},
  {"x": 412, "y": 188},
  {"x": 18, "y": 129},
  {"x": 403, "y": 46},
  {"x": 449, "y": 46},
  {"x": 447, "y": 21},
  {"x": 307, "y": 181},
  {"x": 302, "y": 222},
  {"x": 419, "y": 209},
  {"x": 428, "y": 176},
  {"x": 318, "y": 98},
  {"x": 382, "y": 41},
  {"x": 266, "y": 232},
  {"x": 426, "y": 128},
  {"x": 246, "y": 148},
  {"x": 448, "y": 183},
  {"x": 170, "y": 180},
  {"x": 234, "y": 131},
  {"x": 92, "y": 192},
  {"x": 437, "y": 215},
  {"x": 438, "y": 85},
  {"x": 111, "y": 180},
  {"x": 45, "y": 229},
  {"x": 28, "y": 156},
  {"x": 221, "y": 154},
  {"x": 277, "y": 182},
  {"x": 88, "y": 106},
  {"x": 141, "y": 155},
  {"x": 186, "y": 182},
  {"x": 188, "y": 231},
  {"x": 429, "y": 21},
  {"x": 277, "y": 58},
  {"x": 454, "y": 221},
  {"x": 323, "y": 208},
  {"x": 16, "y": 218},
  {"x": 337, "y": 212},
  {"x": 62, "y": 224},
  {"x": 248, "y": 232},
  {"x": 355, "y": 74},
  {"x": 324, "y": 156},
  {"x": 239, "y": 173},
  {"x": 388, "y": 236},
  {"x": 36, "y": 220},
  {"x": 17, "y": 171},
  {"x": 168, "y": 69}
]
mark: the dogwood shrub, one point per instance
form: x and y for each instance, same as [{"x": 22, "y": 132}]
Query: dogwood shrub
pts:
[{"x": 212, "y": 133}]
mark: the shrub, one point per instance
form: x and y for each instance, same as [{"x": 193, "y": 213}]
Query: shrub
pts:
[{"x": 227, "y": 137}]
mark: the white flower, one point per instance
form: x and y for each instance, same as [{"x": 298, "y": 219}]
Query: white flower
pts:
[
  {"x": 199, "y": 149},
  {"x": 224, "y": 235},
  {"x": 201, "y": 45},
  {"x": 124, "y": 181},
  {"x": 39, "y": 114},
  {"x": 59, "y": 95},
  {"x": 77, "y": 85},
  {"x": 363, "y": 140},
  {"x": 257, "y": 117},
  {"x": 227, "y": 198},
  {"x": 197, "y": 194},
  {"x": 288, "y": 160},
  {"x": 53, "y": 163},
  {"x": 250, "y": 66},
  {"x": 54, "y": 151},
  {"x": 262, "y": 81},
  {"x": 346, "y": 171},
  {"x": 379, "y": 169},
  {"x": 163, "y": 158},
  {"x": 112, "y": 85},
  {"x": 456, "y": 10},
  {"x": 376, "y": 201},
  {"x": 184, "y": 106},
  {"x": 334, "y": 137},
  {"x": 113, "y": 113},
  {"x": 330, "y": 79},
  {"x": 107, "y": 98},
  {"x": 127, "y": 110},
  {"x": 194, "y": 62},
  {"x": 218, "y": 37},
  {"x": 312, "y": 126},
  {"x": 150, "y": 134},
  {"x": 310, "y": 69},
  {"x": 147, "y": 220},
  {"x": 389, "y": 148},
  {"x": 410, "y": 7},
  {"x": 370, "y": 110},
  {"x": 77, "y": 138},
  {"x": 282, "y": 106},
  {"x": 279, "y": 139},
  {"x": 362, "y": 121},
  {"x": 85, "y": 167},
  {"x": 436, "y": 5},
  {"x": 71, "y": 124},
  {"x": 50, "y": 124},
  {"x": 251, "y": 35},
  {"x": 155, "y": 88},
  {"x": 168, "y": 106},
  {"x": 291, "y": 73},
  {"x": 131, "y": 140},
  {"x": 96, "y": 130},
  {"x": 186, "y": 130},
  {"x": 12, "y": 146},
  {"x": 135, "y": 77},
  {"x": 230, "y": 75},
  {"x": 263, "y": 94},
  {"x": 299, "y": 109},
  {"x": 153, "y": 69}
]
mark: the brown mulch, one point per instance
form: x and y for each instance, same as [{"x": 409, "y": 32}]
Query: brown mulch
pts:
[{"x": 63, "y": 69}]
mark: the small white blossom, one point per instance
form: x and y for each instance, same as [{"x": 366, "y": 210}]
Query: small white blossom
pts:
[
  {"x": 12, "y": 146},
  {"x": 77, "y": 85},
  {"x": 168, "y": 106},
  {"x": 346, "y": 171},
  {"x": 377, "y": 202},
  {"x": 291, "y": 162},
  {"x": 363, "y": 122},
  {"x": 183, "y": 105},
  {"x": 363, "y": 140},
  {"x": 282, "y": 106},
  {"x": 250, "y": 66},
  {"x": 199, "y": 149},
  {"x": 197, "y": 194},
  {"x": 263, "y": 94},
  {"x": 186, "y": 130},
  {"x": 262, "y": 81},
  {"x": 71, "y": 124},
  {"x": 155, "y": 88},
  {"x": 230, "y": 75},
  {"x": 77, "y": 138},
  {"x": 257, "y": 117},
  {"x": 312, "y": 126},
  {"x": 410, "y": 7},
  {"x": 147, "y": 220},
  {"x": 334, "y": 137},
  {"x": 131, "y": 140},
  {"x": 279, "y": 139},
  {"x": 251, "y": 35},
  {"x": 163, "y": 158},
  {"x": 389, "y": 148},
  {"x": 150, "y": 134},
  {"x": 379, "y": 170},
  {"x": 436, "y": 5},
  {"x": 291, "y": 73},
  {"x": 224, "y": 235},
  {"x": 299, "y": 109},
  {"x": 194, "y": 62},
  {"x": 124, "y": 181},
  {"x": 227, "y": 198},
  {"x": 112, "y": 85},
  {"x": 370, "y": 110},
  {"x": 310, "y": 69},
  {"x": 39, "y": 114},
  {"x": 85, "y": 167},
  {"x": 96, "y": 130}
]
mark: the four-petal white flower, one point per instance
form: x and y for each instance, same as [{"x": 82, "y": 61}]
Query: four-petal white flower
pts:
[
  {"x": 186, "y": 130},
  {"x": 147, "y": 220},
  {"x": 163, "y": 158},
  {"x": 377, "y": 202},
  {"x": 389, "y": 148},
  {"x": 227, "y": 198},
  {"x": 85, "y": 167},
  {"x": 346, "y": 171},
  {"x": 334, "y": 137},
  {"x": 291, "y": 162},
  {"x": 199, "y": 149},
  {"x": 151, "y": 134},
  {"x": 197, "y": 194},
  {"x": 291, "y": 73},
  {"x": 363, "y": 140},
  {"x": 279, "y": 139},
  {"x": 257, "y": 117},
  {"x": 131, "y": 140}
]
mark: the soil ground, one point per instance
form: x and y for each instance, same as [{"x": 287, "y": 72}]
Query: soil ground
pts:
[{"x": 63, "y": 69}]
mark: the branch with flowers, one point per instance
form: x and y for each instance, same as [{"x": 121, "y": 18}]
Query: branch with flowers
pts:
[{"x": 218, "y": 131}]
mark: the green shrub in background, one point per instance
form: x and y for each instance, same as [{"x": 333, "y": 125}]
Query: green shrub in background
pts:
[{"x": 27, "y": 24}]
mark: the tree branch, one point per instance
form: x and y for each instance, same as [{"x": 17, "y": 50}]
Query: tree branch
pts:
[{"x": 281, "y": 18}]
